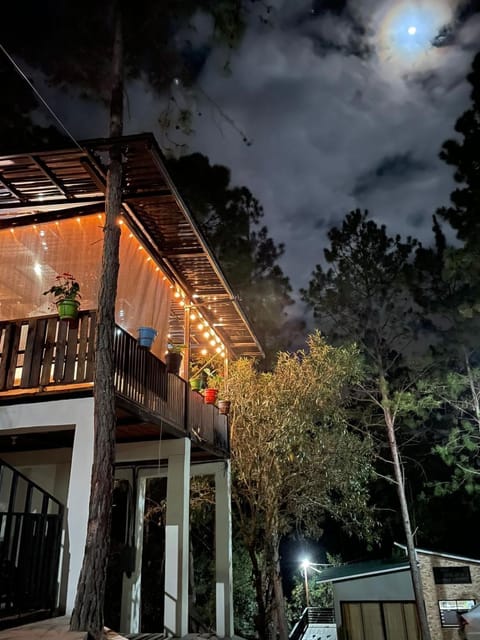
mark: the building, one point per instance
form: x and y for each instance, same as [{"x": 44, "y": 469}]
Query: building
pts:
[
  {"x": 51, "y": 216},
  {"x": 375, "y": 600}
]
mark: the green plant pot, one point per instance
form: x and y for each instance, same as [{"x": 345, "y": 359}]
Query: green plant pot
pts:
[
  {"x": 68, "y": 309},
  {"x": 196, "y": 384}
]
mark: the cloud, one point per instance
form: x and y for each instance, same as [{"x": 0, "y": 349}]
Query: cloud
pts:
[{"x": 334, "y": 128}]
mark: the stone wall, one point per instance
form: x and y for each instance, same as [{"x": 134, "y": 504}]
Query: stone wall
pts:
[{"x": 434, "y": 592}]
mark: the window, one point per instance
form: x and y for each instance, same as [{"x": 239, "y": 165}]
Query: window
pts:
[
  {"x": 449, "y": 610},
  {"x": 452, "y": 575}
]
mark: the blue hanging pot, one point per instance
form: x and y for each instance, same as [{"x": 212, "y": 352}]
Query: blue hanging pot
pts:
[{"x": 146, "y": 336}]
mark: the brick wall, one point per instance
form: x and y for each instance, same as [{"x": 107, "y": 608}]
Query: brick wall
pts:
[{"x": 434, "y": 592}]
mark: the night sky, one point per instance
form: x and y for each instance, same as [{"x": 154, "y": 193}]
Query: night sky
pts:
[{"x": 346, "y": 104}]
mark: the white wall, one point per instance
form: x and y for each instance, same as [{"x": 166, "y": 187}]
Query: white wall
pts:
[{"x": 387, "y": 586}]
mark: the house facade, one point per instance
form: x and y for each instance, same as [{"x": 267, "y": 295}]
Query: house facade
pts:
[
  {"x": 375, "y": 600},
  {"x": 51, "y": 219}
]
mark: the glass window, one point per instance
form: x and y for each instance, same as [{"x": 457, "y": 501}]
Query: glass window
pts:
[{"x": 449, "y": 610}]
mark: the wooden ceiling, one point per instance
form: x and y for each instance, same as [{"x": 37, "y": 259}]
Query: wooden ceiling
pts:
[{"x": 49, "y": 185}]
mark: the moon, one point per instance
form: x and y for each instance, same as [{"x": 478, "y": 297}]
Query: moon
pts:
[{"x": 412, "y": 30}]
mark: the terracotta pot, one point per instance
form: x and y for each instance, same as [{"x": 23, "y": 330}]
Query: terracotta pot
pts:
[
  {"x": 68, "y": 309},
  {"x": 210, "y": 395},
  {"x": 224, "y": 407}
]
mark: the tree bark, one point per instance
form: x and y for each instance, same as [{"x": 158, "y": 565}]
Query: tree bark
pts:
[
  {"x": 407, "y": 527},
  {"x": 89, "y": 602},
  {"x": 282, "y": 626},
  {"x": 261, "y": 624}
]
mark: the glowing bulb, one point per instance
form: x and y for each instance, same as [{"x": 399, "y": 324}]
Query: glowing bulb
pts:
[
  {"x": 193, "y": 317},
  {"x": 176, "y": 294},
  {"x": 200, "y": 327},
  {"x": 218, "y": 349},
  {"x": 204, "y": 352},
  {"x": 206, "y": 334},
  {"x": 412, "y": 30},
  {"x": 213, "y": 343}
]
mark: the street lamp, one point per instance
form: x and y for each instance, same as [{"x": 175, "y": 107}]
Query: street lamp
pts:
[{"x": 305, "y": 564}]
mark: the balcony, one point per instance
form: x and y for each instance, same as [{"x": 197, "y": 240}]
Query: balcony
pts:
[{"x": 45, "y": 356}]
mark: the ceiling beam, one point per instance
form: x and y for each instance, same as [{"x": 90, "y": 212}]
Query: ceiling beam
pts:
[
  {"x": 13, "y": 190},
  {"x": 50, "y": 175}
]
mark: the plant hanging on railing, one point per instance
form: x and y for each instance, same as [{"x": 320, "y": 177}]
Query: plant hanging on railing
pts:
[{"x": 66, "y": 291}]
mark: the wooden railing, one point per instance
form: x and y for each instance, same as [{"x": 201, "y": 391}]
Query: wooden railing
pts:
[
  {"x": 46, "y": 352},
  {"x": 205, "y": 423},
  {"x": 38, "y": 352}
]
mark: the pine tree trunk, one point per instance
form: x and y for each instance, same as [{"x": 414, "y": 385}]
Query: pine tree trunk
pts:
[
  {"x": 407, "y": 527},
  {"x": 89, "y": 602}
]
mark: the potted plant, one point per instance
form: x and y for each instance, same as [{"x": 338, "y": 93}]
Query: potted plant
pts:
[
  {"x": 211, "y": 392},
  {"x": 66, "y": 291},
  {"x": 224, "y": 397},
  {"x": 173, "y": 358},
  {"x": 146, "y": 336}
]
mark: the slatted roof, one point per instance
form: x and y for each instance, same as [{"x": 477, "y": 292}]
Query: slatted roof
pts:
[{"x": 49, "y": 185}]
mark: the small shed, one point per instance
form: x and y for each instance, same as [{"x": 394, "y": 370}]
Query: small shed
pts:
[{"x": 375, "y": 600}]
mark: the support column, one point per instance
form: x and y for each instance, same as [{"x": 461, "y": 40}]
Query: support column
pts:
[
  {"x": 223, "y": 544},
  {"x": 223, "y": 551},
  {"x": 79, "y": 497},
  {"x": 177, "y": 541}
]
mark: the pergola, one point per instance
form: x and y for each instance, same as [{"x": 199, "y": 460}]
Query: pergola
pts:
[{"x": 53, "y": 185}]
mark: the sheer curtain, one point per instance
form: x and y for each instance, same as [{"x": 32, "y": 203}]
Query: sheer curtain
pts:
[{"x": 32, "y": 256}]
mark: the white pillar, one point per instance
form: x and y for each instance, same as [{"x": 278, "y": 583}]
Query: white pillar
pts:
[
  {"x": 223, "y": 551},
  {"x": 177, "y": 541},
  {"x": 223, "y": 544},
  {"x": 79, "y": 499}
]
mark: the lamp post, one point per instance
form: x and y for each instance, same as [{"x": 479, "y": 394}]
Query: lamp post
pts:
[{"x": 305, "y": 564}]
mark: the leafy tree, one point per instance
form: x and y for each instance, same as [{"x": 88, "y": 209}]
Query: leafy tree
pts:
[
  {"x": 230, "y": 218},
  {"x": 94, "y": 47},
  {"x": 243, "y": 592},
  {"x": 364, "y": 296},
  {"x": 294, "y": 460}
]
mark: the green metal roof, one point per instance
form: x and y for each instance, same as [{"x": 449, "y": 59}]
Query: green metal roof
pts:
[{"x": 360, "y": 570}]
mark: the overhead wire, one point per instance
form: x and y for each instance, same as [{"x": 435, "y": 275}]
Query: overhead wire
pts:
[{"x": 39, "y": 96}]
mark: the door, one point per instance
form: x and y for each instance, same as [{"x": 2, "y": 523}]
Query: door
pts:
[{"x": 380, "y": 621}]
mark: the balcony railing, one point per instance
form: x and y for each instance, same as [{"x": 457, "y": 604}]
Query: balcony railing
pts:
[{"x": 47, "y": 353}]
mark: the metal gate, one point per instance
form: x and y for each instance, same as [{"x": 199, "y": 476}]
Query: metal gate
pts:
[{"x": 30, "y": 538}]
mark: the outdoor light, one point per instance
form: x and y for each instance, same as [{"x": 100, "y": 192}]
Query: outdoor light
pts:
[{"x": 305, "y": 564}]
